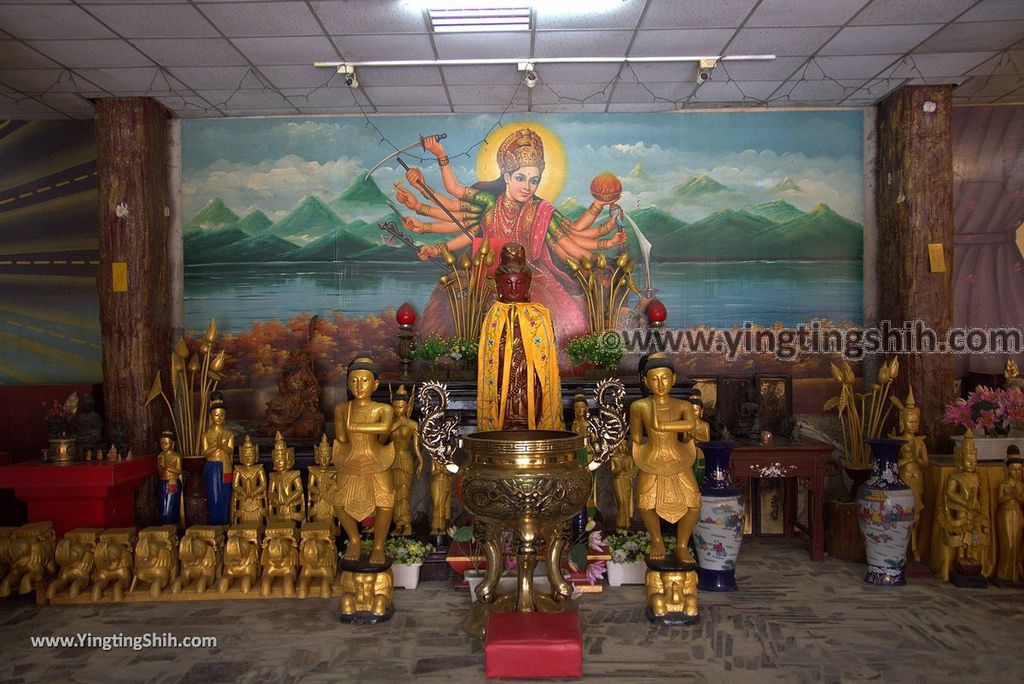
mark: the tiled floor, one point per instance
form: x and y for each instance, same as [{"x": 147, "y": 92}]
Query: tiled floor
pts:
[{"x": 792, "y": 620}]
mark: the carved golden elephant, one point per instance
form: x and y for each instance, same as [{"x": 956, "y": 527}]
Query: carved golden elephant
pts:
[
  {"x": 200, "y": 557},
  {"x": 75, "y": 555},
  {"x": 319, "y": 558},
  {"x": 366, "y": 592},
  {"x": 672, "y": 592},
  {"x": 280, "y": 558},
  {"x": 31, "y": 549},
  {"x": 241, "y": 557},
  {"x": 113, "y": 563},
  {"x": 156, "y": 558}
]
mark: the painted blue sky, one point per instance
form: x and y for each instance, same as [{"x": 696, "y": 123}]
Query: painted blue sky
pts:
[{"x": 271, "y": 164}]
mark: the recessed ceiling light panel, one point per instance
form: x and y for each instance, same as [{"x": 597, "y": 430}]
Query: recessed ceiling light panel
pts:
[{"x": 449, "y": 19}]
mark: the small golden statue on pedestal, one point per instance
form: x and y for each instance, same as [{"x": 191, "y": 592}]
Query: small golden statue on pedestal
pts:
[
  {"x": 1010, "y": 520},
  {"x": 74, "y": 555},
  {"x": 366, "y": 597},
  {"x": 31, "y": 558},
  {"x": 241, "y": 557},
  {"x": 249, "y": 489},
  {"x": 319, "y": 557},
  {"x": 913, "y": 461},
  {"x": 672, "y": 593},
  {"x": 404, "y": 435},
  {"x": 285, "y": 499},
  {"x": 218, "y": 448},
  {"x": 962, "y": 517},
  {"x": 280, "y": 558},
  {"x": 168, "y": 465},
  {"x": 113, "y": 563},
  {"x": 581, "y": 426},
  {"x": 156, "y": 558},
  {"x": 623, "y": 472},
  {"x": 1011, "y": 376},
  {"x": 440, "y": 497},
  {"x": 200, "y": 556},
  {"x": 321, "y": 478}
]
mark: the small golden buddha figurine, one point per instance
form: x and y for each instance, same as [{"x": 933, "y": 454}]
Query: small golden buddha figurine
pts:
[
  {"x": 581, "y": 427},
  {"x": 319, "y": 557},
  {"x": 168, "y": 466},
  {"x": 241, "y": 557},
  {"x": 623, "y": 472},
  {"x": 365, "y": 486},
  {"x": 1011, "y": 375},
  {"x": 31, "y": 549},
  {"x": 218, "y": 446},
  {"x": 156, "y": 558},
  {"x": 666, "y": 486},
  {"x": 672, "y": 593},
  {"x": 1010, "y": 520},
  {"x": 249, "y": 489},
  {"x": 913, "y": 461},
  {"x": 113, "y": 563},
  {"x": 286, "y": 499},
  {"x": 440, "y": 497},
  {"x": 200, "y": 554},
  {"x": 405, "y": 436},
  {"x": 74, "y": 556},
  {"x": 321, "y": 477},
  {"x": 366, "y": 592},
  {"x": 280, "y": 558},
  {"x": 961, "y": 515}
]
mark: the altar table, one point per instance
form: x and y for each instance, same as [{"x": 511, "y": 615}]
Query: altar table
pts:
[
  {"x": 82, "y": 494},
  {"x": 805, "y": 460}
]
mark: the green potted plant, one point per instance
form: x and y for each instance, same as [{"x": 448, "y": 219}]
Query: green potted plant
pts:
[
  {"x": 598, "y": 354},
  {"x": 463, "y": 353},
  {"x": 430, "y": 350},
  {"x": 407, "y": 556},
  {"x": 628, "y": 551}
]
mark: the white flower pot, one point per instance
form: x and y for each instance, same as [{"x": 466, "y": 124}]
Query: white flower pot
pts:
[
  {"x": 634, "y": 572},
  {"x": 992, "y": 448},
  {"x": 407, "y": 576}
]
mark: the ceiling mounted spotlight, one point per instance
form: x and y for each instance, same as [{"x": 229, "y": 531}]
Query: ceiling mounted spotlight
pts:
[
  {"x": 531, "y": 79},
  {"x": 349, "y": 72},
  {"x": 704, "y": 68}
]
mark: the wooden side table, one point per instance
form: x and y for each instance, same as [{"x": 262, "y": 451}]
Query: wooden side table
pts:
[{"x": 805, "y": 460}]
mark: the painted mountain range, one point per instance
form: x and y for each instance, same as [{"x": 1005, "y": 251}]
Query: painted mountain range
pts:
[{"x": 320, "y": 231}]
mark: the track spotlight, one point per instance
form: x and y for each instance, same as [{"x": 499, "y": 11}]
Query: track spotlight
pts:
[
  {"x": 531, "y": 79},
  {"x": 349, "y": 72},
  {"x": 704, "y": 68}
]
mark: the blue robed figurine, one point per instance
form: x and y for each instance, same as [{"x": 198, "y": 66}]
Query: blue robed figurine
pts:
[
  {"x": 168, "y": 488},
  {"x": 218, "y": 446}
]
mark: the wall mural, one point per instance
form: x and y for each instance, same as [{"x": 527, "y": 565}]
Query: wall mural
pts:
[
  {"x": 752, "y": 217},
  {"x": 49, "y": 250}
]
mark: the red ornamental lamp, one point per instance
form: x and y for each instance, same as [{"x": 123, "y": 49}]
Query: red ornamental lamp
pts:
[
  {"x": 406, "y": 315},
  {"x": 656, "y": 313}
]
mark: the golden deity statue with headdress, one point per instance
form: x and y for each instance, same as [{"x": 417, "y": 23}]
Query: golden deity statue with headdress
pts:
[
  {"x": 962, "y": 517},
  {"x": 249, "y": 491},
  {"x": 405, "y": 436},
  {"x": 913, "y": 460},
  {"x": 321, "y": 476},
  {"x": 365, "y": 486},
  {"x": 285, "y": 497},
  {"x": 1010, "y": 520}
]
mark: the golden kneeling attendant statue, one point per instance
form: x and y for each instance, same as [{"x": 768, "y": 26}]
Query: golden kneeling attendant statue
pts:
[
  {"x": 285, "y": 498},
  {"x": 249, "y": 489},
  {"x": 156, "y": 558},
  {"x": 321, "y": 478},
  {"x": 961, "y": 516}
]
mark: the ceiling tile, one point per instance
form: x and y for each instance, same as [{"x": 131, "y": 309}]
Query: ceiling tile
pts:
[
  {"x": 623, "y": 14},
  {"x": 569, "y": 93},
  {"x": 675, "y": 14},
  {"x": 211, "y": 78},
  {"x": 491, "y": 95},
  {"x": 641, "y": 107},
  {"x": 578, "y": 73},
  {"x": 304, "y": 98},
  {"x": 488, "y": 109},
  {"x": 155, "y": 21},
  {"x": 797, "y": 13},
  {"x": 414, "y": 109},
  {"x": 50, "y": 21},
  {"x": 287, "y": 50},
  {"x": 301, "y": 76},
  {"x": 400, "y": 76},
  {"x": 938, "y": 65},
  {"x": 70, "y": 104},
  {"x": 725, "y": 91},
  {"x": 1005, "y": 63},
  {"x": 270, "y": 19},
  {"x": 849, "y": 66},
  {"x": 191, "y": 52},
  {"x": 878, "y": 40},
  {"x": 581, "y": 43},
  {"x": 384, "y": 47},
  {"x": 479, "y": 74},
  {"x": 472, "y": 45},
  {"x": 987, "y": 86},
  {"x": 819, "y": 90},
  {"x": 759, "y": 70},
  {"x": 651, "y": 92},
  {"x": 785, "y": 42},
  {"x": 877, "y": 88},
  {"x": 39, "y": 80},
  {"x": 394, "y": 95},
  {"x": 995, "y": 10},
  {"x": 245, "y": 99},
  {"x": 332, "y": 111},
  {"x": 92, "y": 53},
  {"x": 17, "y": 55},
  {"x": 139, "y": 79},
  {"x": 369, "y": 17},
  {"x": 758, "y": 91},
  {"x": 981, "y": 35},
  {"x": 570, "y": 108},
  {"x": 26, "y": 108},
  {"x": 658, "y": 71},
  {"x": 887, "y": 12},
  {"x": 680, "y": 42}
]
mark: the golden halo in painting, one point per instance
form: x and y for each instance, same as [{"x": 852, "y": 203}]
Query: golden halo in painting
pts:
[{"x": 551, "y": 181}]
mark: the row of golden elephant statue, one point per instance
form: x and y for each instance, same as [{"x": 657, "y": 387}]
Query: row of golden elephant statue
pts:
[{"x": 110, "y": 564}]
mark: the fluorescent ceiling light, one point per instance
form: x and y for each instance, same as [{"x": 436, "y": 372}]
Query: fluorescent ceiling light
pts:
[{"x": 512, "y": 18}]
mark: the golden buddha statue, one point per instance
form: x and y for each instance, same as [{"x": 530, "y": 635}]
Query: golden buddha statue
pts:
[
  {"x": 581, "y": 427},
  {"x": 168, "y": 465},
  {"x": 405, "y": 437},
  {"x": 440, "y": 497},
  {"x": 623, "y": 472},
  {"x": 241, "y": 557},
  {"x": 913, "y": 461},
  {"x": 962, "y": 517},
  {"x": 364, "y": 484},
  {"x": 200, "y": 554},
  {"x": 518, "y": 386},
  {"x": 74, "y": 555},
  {"x": 249, "y": 490},
  {"x": 1011, "y": 376},
  {"x": 319, "y": 557},
  {"x": 280, "y": 558},
  {"x": 1010, "y": 520},
  {"x": 156, "y": 558},
  {"x": 218, "y": 446},
  {"x": 321, "y": 477},
  {"x": 113, "y": 563},
  {"x": 666, "y": 486},
  {"x": 285, "y": 497}
]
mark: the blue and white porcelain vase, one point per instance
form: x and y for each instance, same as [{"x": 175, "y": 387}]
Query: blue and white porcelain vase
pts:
[
  {"x": 719, "y": 530},
  {"x": 886, "y": 515}
]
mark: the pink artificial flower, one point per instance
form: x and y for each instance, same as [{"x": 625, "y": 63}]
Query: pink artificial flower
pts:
[
  {"x": 595, "y": 571},
  {"x": 596, "y": 541},
  {"x": 958, "y": 413}
]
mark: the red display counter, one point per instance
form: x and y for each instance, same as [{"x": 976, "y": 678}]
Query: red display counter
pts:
[{"x": 86, "y": 494}]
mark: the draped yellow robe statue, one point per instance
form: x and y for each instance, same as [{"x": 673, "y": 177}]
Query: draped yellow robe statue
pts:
[{"x": 518, "y": 386}]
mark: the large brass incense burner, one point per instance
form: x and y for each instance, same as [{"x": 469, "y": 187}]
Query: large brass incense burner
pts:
[{"x": 530, "y": 484}]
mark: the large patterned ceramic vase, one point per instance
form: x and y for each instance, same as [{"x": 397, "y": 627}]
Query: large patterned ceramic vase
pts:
[
  {"x": 886, "y": 515},
  {"x": 719, "y": 531}
]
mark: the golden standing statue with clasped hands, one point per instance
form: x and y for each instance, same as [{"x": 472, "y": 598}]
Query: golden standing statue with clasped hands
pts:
[
  {"x": 666, "y": 486},
  {"x": 364, "y": 486},
  {"x": 405, "y": 436},
  {"x": 1010, "y": 520},
  {"x": 913, "y": 461}
]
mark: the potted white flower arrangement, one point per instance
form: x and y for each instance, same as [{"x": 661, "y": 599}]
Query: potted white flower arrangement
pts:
[
  {"x": 628, "y": 551},
  {"x": 407, "y": 555}
]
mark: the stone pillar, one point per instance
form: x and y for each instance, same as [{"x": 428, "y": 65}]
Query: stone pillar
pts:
[
  {"x": 915, "y": 209},
  {"x": 134, "y": 198}
]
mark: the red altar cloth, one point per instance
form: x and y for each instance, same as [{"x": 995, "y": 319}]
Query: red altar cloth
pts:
[
  {"x": 527, "y": 645},
  {"x": 84, "y": 494}
]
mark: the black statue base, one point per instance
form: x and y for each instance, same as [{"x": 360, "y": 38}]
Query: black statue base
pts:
[
  {"x": 967, "y": 581},
  {"x": 672, "y": 619},
  {"x": 435, "y": 567},
  {"x": 671, "y": 564},
  {"x": 365, "y": 617},
  {"x": 363, "y": 565}
]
